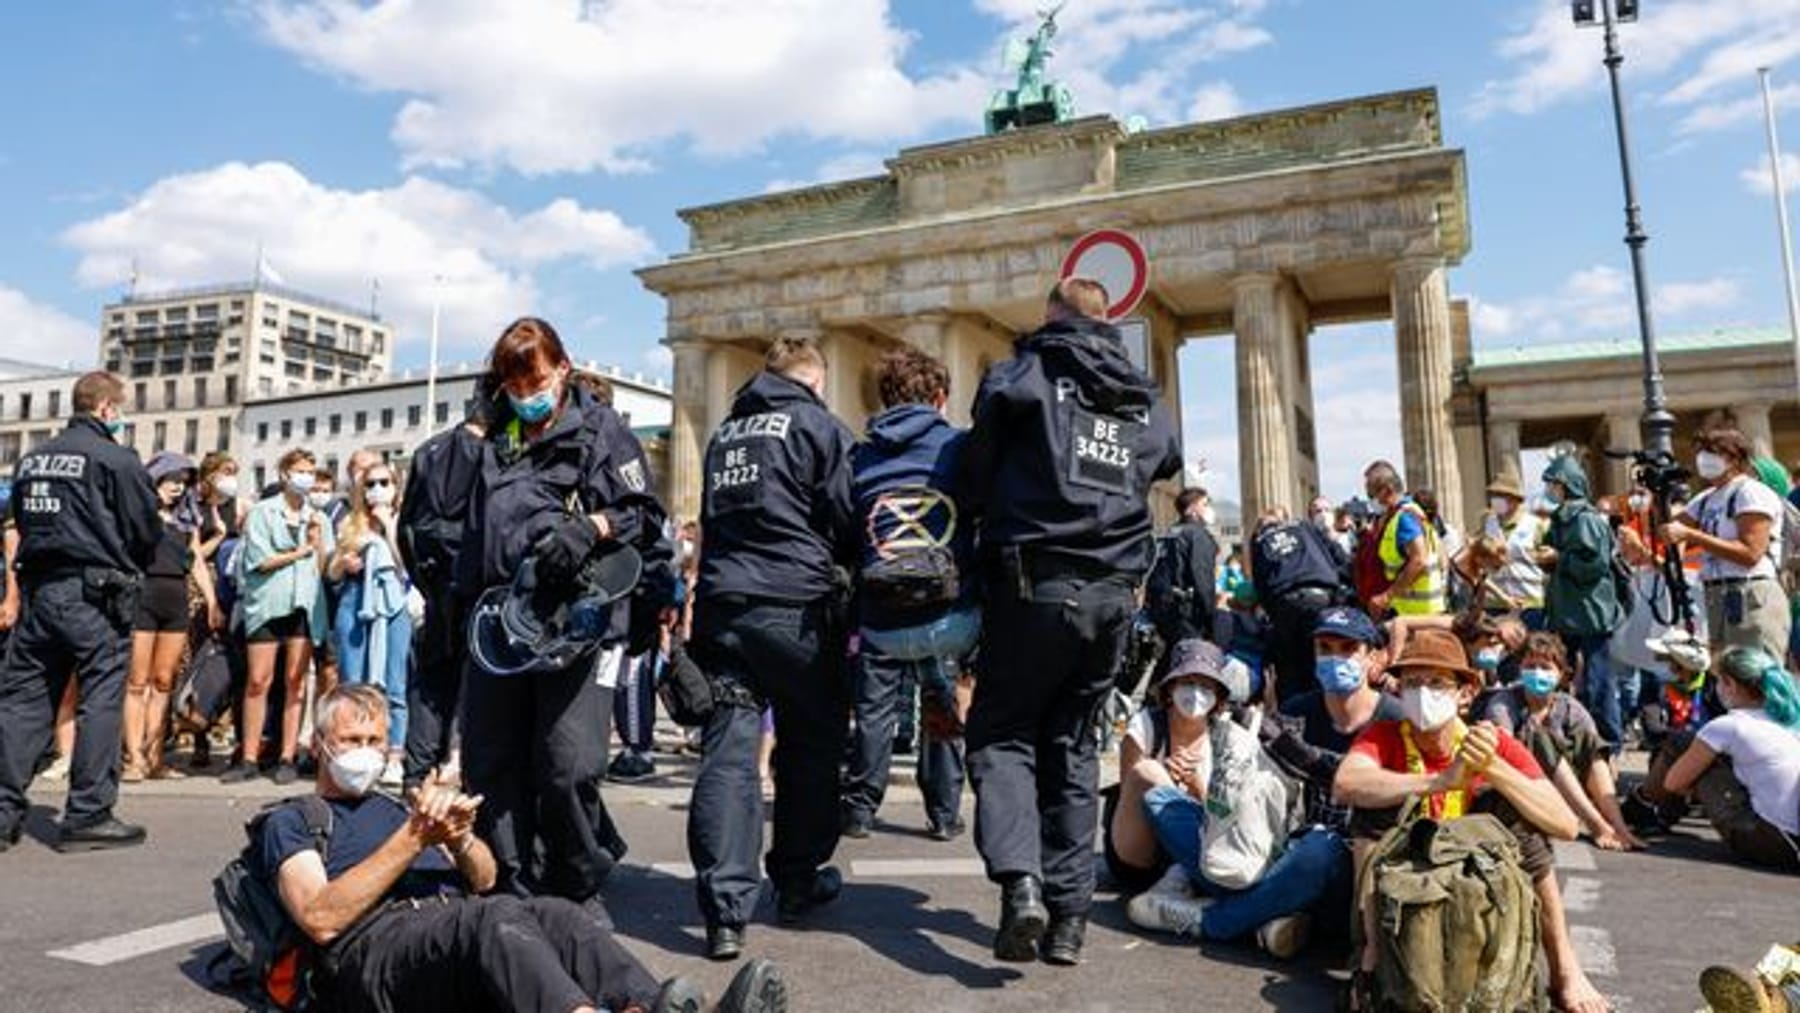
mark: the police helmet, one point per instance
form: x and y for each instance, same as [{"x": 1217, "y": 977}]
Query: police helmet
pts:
[{"x": 528, "y": 626}]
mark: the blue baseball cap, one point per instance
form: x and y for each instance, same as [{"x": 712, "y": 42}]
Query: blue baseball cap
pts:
[{"x": 1349, "y": 623}]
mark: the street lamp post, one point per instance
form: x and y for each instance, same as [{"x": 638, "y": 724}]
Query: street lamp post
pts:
[{"x": 1658, "y": 424}]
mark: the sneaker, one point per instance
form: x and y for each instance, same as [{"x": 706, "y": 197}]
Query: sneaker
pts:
[
  {"x": 1169, "y": 906},
  {"x": 857, "y": 826},
  {"x": 285, "y": 773},
  {"x": 757, "y": 988},
  {"x": 947, "y": 831},
  {"x": 678, "y": 995},
  {"x": 238, "y": 773},
  {"x": 9, "y": 836},
  {"x": 1284, "y": 937},
  {"x": 57, "y": 771},
  {"x": 630, "y": 767}
]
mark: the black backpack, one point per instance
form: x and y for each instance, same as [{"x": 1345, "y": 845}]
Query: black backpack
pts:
[
  {"x": 913, "y": 571},
  {"x": 271, "y": 959},
  {"x": 1169, "y": 592}
]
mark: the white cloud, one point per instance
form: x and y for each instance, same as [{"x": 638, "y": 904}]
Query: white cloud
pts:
[
  {"x": 207, "y": 226},
  {"x": 1709, "y": 45},
  {"x": 1758, "y": 178},
  {"x": 547, "y": 86},
  {"x": 1595, "y": 301},
  {"x": 1216, "y": 100},
  {"x": 1726, "y": 114},
  {"x": 1227, "y": 37},
  {"x": 44, "y": 334},
  {"x": 850, "y": 165}
]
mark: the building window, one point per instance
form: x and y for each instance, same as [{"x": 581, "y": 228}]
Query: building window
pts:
[
  {"x": 25, "y": 405},
  {"x": 9, "y": 448},
  {"x": 387, "y": 418},
  {"x": 160, "y": 437},
  {"x": 55, "y": 403},
  {"x": 190, "y": 439},
  {"x": 262, "y": 479},
  {"x": 223, "y": 443},
  {"x": 231, "y": 390},
  {"x": 334, "y": 425},
  {"x": 140, "y": 397},
  {"x": 265, "y": 386},
  {"x": 200, "y": 391},
  {"x": 442, "y": 412},
  {"x": 168, "y": 394},
  {"x": 414, "y": 413},
  {"x": 287, "y": 430},
  {"x": 2, "y": 406},
  {"x": 38, "y": 438},
  {"x": 262, "y": 432},
  {"x": 128, "y": 438},
  {"x": 311, "y": 427},
  {"x": 362, "y": 422}
]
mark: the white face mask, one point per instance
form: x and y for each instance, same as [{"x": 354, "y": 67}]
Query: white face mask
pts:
[
  {"x": 356, "y": 770},
  {"x": 1500, "y": 505},
  {"x": 226, "y": 487},
  {"x": 1709, "y": 465},
  {"x": 320, "y": 500},
  {"x": 1193, "y": 700},
  {"x": 1209, "y": 515},
  {"x": 1428, "y": 709},
  {"x": 379, "y": 495}
]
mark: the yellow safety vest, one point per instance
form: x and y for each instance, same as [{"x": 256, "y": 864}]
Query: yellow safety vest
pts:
[{"x": 1426, "y": 595}]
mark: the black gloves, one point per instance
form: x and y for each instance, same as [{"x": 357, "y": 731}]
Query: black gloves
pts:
[{"x": 561, "y": 552}]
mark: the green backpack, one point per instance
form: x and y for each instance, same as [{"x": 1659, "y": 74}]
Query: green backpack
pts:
[{"x": 1456, "y": 917}]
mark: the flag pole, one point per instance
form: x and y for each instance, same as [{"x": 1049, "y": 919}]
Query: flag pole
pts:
[
  {"x": 437, "y": 286},
  {"x": 1781, "y": 218}
]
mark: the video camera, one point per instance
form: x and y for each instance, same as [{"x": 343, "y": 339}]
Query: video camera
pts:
[{"x": 1659, "y": 472}]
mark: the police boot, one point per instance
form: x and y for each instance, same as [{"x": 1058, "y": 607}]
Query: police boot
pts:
[
  {"x": 1062, "y": 941},
  {"x": 758, "y": 988},
  {"x": 724, "y": 942},
  {"x": 792, "y": 903},
  {"x": 1022, "y": 918},
  {"x": 109, "y": 832},
  {"x": 9, "y": 836}
]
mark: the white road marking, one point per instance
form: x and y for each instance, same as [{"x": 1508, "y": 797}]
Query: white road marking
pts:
[
  {"x": 915, "y": 868},
  {"x": 1573, "y": 856},
  {"x": 1594, "y": 950},
  {"x": 1580, "y": 894},
  {"x": 126, "y": 946},
  {"x": 680, "y": 870}
]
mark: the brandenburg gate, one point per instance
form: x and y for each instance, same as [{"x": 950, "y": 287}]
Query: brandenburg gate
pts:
[{"x": 1264, "y": 227}]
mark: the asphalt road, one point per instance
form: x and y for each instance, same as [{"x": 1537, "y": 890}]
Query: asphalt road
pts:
[{"x": 912, "y": 931}]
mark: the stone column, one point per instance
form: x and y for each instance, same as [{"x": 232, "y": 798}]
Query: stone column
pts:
[
  {"x": 689, "y": 428},
  {"x": 1265, "y": 440},
  {"x": 1622, "y": 432},
  {"x": 1503, "y": 450},
  {"x": 1423, "y": 343},
  {"x": 1753, "y": 419}
]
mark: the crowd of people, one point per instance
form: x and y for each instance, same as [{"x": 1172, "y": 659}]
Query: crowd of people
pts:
[{"x": 472, "y": 632}]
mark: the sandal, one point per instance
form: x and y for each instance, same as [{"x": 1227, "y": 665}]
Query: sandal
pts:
[{"x": 164, "y": 772}]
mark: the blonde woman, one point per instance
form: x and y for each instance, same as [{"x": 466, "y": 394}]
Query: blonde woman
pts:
[{"x": 373, "y": 629}]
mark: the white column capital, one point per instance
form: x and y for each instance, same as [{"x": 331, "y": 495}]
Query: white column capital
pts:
[
  {"x": 1417, "y": 268},
  {"x": 1255, "y": 282}
]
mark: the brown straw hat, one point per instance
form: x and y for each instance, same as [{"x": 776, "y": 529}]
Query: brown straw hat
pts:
[
  {"x": 1506, "y": 484},
  {"x": 1435, "y": 648}
]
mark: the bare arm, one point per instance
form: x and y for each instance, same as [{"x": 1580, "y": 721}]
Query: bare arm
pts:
[
  {"x": 324, "y": 908},
  {"x": 1364, "y": 783},
  {"x": 1536, "y": 799}
]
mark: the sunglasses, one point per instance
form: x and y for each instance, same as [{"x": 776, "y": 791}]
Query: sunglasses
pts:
[{"x": 377, "y": 483}]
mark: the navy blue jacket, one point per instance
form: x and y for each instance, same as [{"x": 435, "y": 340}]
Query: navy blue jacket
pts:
[
  {"x": 776, "y": 516},
  {"x": 81, "y": 500},
  {"x": 910, "y": 446},
  {"x": 1068, "y": 437},
  {"x": 1292, "y": 555}
]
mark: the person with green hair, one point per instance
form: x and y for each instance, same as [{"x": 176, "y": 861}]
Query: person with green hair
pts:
[{"x": 1753, "y": 799}]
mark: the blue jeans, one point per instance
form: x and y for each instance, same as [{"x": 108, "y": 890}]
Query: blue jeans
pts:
[
  {"x": 356, "y": 663},
  {"x": 1315, "y": 866},
  {"x": 930, "y": 654},
  {"x": 1601, "y": 689}
]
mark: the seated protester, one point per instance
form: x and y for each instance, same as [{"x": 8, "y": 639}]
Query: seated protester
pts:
[
  {"x": 1753, "y": 799},
  {"x": 1562, "y": 737},
  {"x": 391, "y": 904},
  {"x": 1459, "y": 769},
  {"x": 1169, "y": 758}
]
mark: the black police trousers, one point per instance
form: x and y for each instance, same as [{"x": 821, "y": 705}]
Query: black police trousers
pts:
[
  {"x": 1293, "y": 614},
  {"x": 62, "y": 633},
  {"x": 790, "y": 657},
  {"x": 534, "y": 746},
  {"x": 1047, "y": 661},
  {"x": 434, "y": 684},
  {"x": 499, "y": 953}
]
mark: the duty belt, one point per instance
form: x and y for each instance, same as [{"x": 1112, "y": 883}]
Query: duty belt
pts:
[{"x": 1029, "y": 564}]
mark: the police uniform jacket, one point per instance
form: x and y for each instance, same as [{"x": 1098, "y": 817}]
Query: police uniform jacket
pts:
[
  {"x": 904, "y": 481},
  {"x": 1068, "y": 438},
  {"x": 777, "y": 517},
  {"x": 81, "y": 500},
  {"x": 586, "y": 462},
  {"x": 1289, "y": 556},
  {"x": 440, "y": 489}
]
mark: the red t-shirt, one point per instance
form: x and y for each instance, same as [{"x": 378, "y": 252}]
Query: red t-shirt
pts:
[{"x": 1381, "y": 742}]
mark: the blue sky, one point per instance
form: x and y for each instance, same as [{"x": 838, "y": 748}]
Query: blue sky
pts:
[{"x": 532, "y": 152}]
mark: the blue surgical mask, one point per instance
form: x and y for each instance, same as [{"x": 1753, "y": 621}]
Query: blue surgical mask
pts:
[
  {"x": 535, "y": 408},
  {"x": 1539, "y": 681},
  {"x": 300, "y": 483},
  {"x": 1488, "y": 659},
  {"x": 1338, "y": 676},
  {"x": 115, "y": 425}
]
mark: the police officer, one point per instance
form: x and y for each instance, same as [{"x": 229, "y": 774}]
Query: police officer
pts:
[
  {"x": 1182, "y": 593},
  {"x": 1298, "y": 572},
  {"x": 1067, "y": 439},
  {"x": 440, "y": 490},
  {"x": 555, "y": 481},
  {"x": 779, "y": 522},
  {"x": 88, "y": 524}
]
